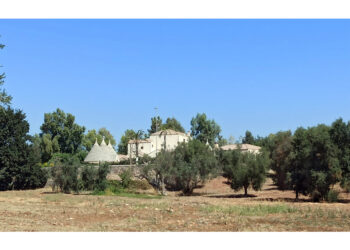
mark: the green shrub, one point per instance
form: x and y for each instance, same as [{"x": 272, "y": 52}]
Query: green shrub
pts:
[
  {"x": 332, "y": 196},
  {"x": 115, "y": 186},
  {"x": 81, "y": 155},
  {"x": 126, "y": 178},
  {"x": 316, "y": 196},
  {"x": 145, "y": 159},
  {"x": 88, "y": 176},
  {"x": 93, "y": 178},
  {"x": 140, "y": 185},
  {"x": 101, "y": 178},
  {"x": 64, "y": 173}
]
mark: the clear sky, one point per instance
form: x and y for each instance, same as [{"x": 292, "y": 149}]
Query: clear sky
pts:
[{"x": 257, "y": 75}]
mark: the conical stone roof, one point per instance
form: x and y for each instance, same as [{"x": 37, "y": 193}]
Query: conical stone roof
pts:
[{"x": 101, "y": 153}]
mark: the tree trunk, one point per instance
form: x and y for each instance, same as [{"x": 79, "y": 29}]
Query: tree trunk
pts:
[
  {"x": 130, "y": 154},
  {"x": 245, "y": 191},
  {"x": 163, "y": 191},
  {"x": 165, "y": 141},
  {"x": 137, "y": 153},
  {"x": 296, "y": 195}
]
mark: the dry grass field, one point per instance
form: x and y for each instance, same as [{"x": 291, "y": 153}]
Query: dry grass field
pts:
[{"x": 214, "y": 207}]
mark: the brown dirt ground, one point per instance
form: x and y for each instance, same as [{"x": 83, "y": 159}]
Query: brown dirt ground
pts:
[{"x": 214, "y": 207}]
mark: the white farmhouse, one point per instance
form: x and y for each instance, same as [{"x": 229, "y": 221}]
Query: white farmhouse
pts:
[
  {"x": 243, "y": 148},
  {"x": 166, "y": 139}
]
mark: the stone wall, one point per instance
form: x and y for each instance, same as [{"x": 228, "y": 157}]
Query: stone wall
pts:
[
  {"x": 114, "y": 173},
  {"x": 118, "y": 169}
]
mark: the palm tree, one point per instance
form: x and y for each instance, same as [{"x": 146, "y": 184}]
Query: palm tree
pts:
[{"x": 165, "y": 133}]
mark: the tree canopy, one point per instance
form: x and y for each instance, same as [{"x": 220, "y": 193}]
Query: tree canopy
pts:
[
  {"x": 280, "y": 160},
  {"x": 19, "y": 167},
  {"x": 92, "y": 135},
  {"x": 244, "y": 170},
  {"x": 171, "y": 123},
  {"x": 60, "y": 133},
  {"x": 124, "y": 140},
  {"x": 188, "y": 166},
  {"x": 204, "y": 129},
  {"x": 5, "y": 99},
  {"x": 158, "y": 173},
  {"x": 194, "y": 163},
  {"x": 248, "y": 138},
  {"x": 340, "y": 135},
  {"x": 156, "y": 124},
  {"x": 314, "y": 165}
]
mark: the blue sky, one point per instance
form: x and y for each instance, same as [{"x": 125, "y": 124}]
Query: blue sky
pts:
[{"x": 257, "y": 75}]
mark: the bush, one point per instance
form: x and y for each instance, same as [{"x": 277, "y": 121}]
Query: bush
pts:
[
  {"x": 81, "y": 155},
  {"x": 140, "y": 184},
  {"x": 126, "y": 178},
  {"x": 33, "y": 177},
  {"x": 64, "y": 173},
  {"x": 101, "y": 180},
  {"x": 345, "y": 183},
  {"x": 115, "y": 186},
  {"x": 332, "y": 196},
  {"x": 145, "y": 159},
  {"x": 88, "y": 176},
  {"x": 316, "y": 196},
  {"x": 93, "y": 178}
]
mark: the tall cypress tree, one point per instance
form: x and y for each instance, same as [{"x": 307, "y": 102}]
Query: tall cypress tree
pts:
[{"x": 18, "y": 164}]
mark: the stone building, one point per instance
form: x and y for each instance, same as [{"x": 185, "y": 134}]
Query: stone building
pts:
[
  {"x": 243, "y": 148},
  {"x": 166, "y": 139},
  {"x": 101, "y": 153}
]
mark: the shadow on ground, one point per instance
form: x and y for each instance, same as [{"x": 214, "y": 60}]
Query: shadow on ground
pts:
[{"x": 232, "y": 196}]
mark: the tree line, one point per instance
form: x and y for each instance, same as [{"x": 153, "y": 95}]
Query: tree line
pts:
[
  {"x": 310, "y": 161},
  {"x": 202, "y": 129},
  {"x": 62, "y": 141},
  {"x": 191, "y": 164}
]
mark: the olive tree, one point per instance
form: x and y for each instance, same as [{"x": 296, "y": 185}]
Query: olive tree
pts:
[
  {"x": 194, "y": 163},
  {"x": 158, "y": 172},
  {"x": 244, "y": 170},
  {"x": 314, "y": 165}
]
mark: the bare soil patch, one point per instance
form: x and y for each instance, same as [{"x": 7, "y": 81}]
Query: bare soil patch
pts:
[{"x": 214, "y": 207}]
